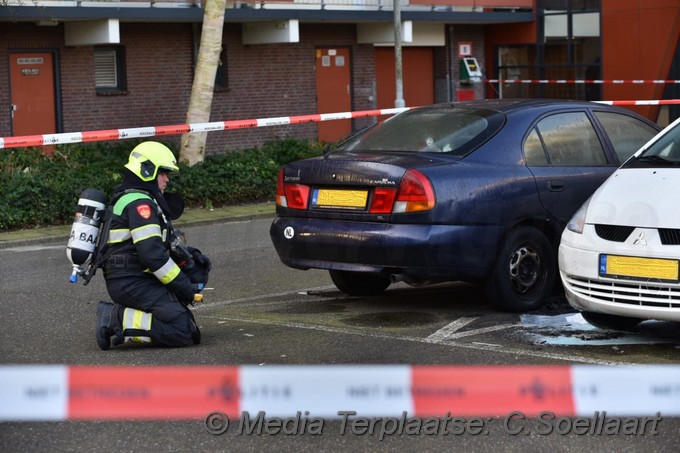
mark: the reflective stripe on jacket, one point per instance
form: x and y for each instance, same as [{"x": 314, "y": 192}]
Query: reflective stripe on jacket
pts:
[{"x": 139, "y": 227}]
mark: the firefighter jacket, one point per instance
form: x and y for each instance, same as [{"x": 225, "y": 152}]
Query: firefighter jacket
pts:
[{"x": 141, "y": 234}]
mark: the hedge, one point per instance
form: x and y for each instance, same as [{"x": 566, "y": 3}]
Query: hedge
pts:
[{"x": 40, "y": 189}]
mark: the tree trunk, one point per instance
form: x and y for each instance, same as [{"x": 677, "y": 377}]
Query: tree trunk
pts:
[{"x": 193, "y": 144}]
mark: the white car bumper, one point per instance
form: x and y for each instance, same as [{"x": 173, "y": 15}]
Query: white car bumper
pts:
[{"x": 586, "y": 290}]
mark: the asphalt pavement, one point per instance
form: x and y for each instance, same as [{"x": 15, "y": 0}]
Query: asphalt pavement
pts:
[{"x": 260, "y": 314}]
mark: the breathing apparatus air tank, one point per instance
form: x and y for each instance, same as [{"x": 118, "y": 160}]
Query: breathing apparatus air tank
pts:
[{"x": 85, "y": 230}]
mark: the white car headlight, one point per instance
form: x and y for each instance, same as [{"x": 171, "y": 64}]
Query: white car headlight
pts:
[{"x": 578, "y": 220}]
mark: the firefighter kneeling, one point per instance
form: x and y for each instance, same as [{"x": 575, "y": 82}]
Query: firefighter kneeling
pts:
[{"x": 145, "y": 268}]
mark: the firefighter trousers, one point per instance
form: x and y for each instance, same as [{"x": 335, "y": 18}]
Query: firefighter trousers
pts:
[{"x": 148, "y": 312}]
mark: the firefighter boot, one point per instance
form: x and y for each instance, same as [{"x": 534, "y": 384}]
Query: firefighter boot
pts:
[{"x": 105, "y": 313}]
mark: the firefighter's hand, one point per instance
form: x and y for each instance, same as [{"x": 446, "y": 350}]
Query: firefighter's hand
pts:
[
  {"x": 201, "y": 259},
  {"x": 186, "y": 294}
]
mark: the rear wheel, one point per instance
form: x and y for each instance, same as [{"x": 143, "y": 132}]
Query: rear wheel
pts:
[
  {"x": 610, "y": 322},
  {"x": 359, "y": 283},
  {"x": 524, "y": 274}
]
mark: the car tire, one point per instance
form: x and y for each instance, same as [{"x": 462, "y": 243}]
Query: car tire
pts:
[
  {"x": 610, "y": 322},
  {"x": 524, "y": 275},
  {"x": 359, "y": 283}
]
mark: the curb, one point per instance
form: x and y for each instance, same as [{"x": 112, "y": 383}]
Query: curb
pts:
[{"x": 191, "y": 217}]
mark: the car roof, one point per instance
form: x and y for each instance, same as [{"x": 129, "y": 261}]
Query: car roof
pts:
[{"x": 507, "y": 105}]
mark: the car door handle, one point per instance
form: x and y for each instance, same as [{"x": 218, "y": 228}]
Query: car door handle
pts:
[{"x": 556, "y": 185}]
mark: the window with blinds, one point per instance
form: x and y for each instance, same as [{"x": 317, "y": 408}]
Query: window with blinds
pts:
[{"x": 109, "y": 75}]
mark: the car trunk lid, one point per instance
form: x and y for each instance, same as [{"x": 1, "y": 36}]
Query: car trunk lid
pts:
[{"x": 367, "y": 185}]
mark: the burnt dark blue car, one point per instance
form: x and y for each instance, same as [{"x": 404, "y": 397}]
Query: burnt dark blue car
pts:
[{"x": 475, "y": 191}]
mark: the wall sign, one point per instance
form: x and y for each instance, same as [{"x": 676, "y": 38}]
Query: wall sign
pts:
[{"x": 34, "y": 60}]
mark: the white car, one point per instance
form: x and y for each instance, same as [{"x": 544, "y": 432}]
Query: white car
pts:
[{"x": 619, "y": 255}]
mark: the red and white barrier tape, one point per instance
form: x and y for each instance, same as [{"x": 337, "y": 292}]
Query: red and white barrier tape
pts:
[
  {"x": 628, "y": 103},
  {"x": 564, "y": 81},
  {"x": 145, "y": 132},
  {"x": 61, "y": 392}
]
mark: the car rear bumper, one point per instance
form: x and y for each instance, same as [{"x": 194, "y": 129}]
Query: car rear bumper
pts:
[
  {"x": 434, "y": 252},
  {"x": 586, "y": 290}
]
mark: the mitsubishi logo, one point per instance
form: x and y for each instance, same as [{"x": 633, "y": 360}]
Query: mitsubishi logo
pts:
[{"x": 640, "y": 240}]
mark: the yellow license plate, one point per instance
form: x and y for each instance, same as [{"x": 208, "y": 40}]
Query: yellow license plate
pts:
[
  {"x": 336, "y": 198},
  {"x": 635, "y": 267}
]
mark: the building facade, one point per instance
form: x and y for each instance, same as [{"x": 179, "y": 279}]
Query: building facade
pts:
[{"x": 73, "y": 66}]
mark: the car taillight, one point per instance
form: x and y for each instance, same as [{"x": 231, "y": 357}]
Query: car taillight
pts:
[
  {"x": 280, "y": 194},
  {"x": 293, "y": 196},
  {"x": 415, "y": 193},
  {"x": 382, "y": 200}
]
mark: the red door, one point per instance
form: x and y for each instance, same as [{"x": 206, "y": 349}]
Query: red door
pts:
[
  {"x": 417, "y": 71},
  {"x": 32, "y": 93},
  {"x": 333, "y": 93}
]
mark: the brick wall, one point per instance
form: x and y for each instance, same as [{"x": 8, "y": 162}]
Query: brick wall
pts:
[
  {"x": 264, "y": 80},
  {"x": 475, "y": 35}
]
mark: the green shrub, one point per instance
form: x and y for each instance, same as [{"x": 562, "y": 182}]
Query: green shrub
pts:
[{"x": 39, "y": 190}]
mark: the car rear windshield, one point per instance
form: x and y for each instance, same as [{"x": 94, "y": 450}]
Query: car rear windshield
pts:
[{"x": 455, "y": 131}]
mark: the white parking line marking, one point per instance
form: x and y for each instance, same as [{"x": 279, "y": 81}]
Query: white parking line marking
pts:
[
  {"x": 487, "y": 344},
  {"x": 445, "y": 336},
  {"x": 469, "y": 333},
  {"x": 449, "y": 329},
  {"x": 261, "y": 296},
  {"x": 475, "y": 346}
]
